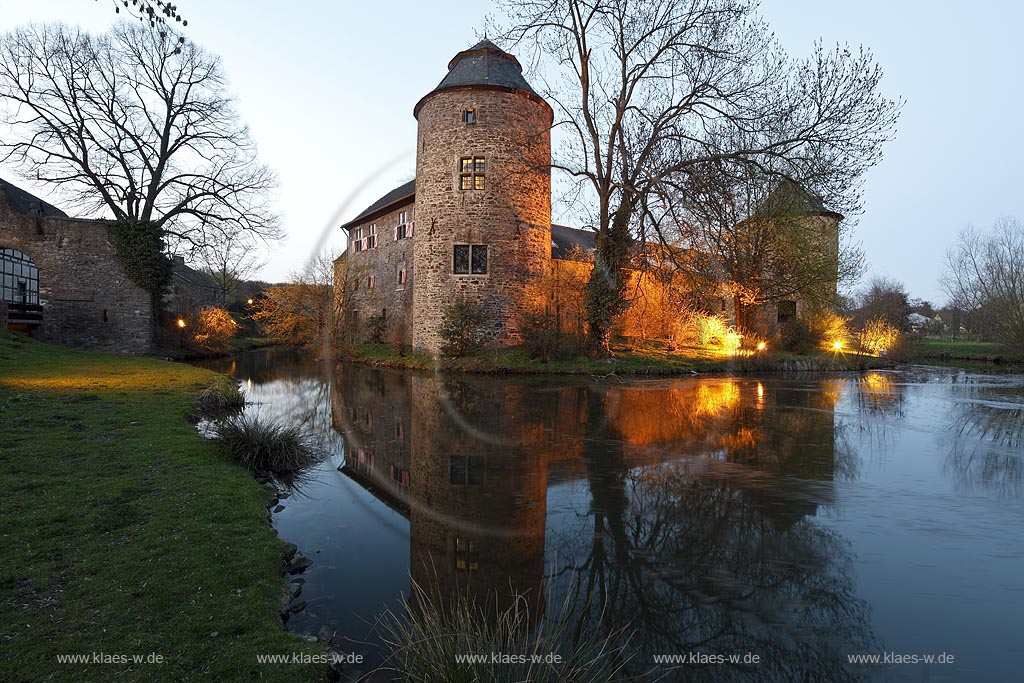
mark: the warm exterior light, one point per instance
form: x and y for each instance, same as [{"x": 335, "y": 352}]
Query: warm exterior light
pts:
[
  {"x": 249, "y": 301},
  {"x": 181, "y": 323},
  {"x": 761, "y": 346},
  {"x": 837, "y": 345}
]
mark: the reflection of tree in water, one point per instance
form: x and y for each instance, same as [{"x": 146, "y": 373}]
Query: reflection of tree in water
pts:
[
  {"x": 878, "y": 403},
  {"x": 986, "y": 451},
  {"x": 690, "y": 562}
]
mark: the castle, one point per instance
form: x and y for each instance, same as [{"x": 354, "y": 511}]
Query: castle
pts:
[
  {"x": 61, "y": 281},
  {"x": 475, "y": 223}
]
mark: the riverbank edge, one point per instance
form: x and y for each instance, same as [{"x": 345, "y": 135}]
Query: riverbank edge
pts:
[
  {"x": 128, "y": 533},
  {"x": 514, "y": 361}
]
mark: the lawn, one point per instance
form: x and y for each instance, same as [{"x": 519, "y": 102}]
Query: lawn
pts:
[
  {"x": 124, "y": 533},
  {"x": 957, "y": 349}
]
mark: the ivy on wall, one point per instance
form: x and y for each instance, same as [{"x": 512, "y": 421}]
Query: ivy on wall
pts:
[{"x": 139, "y": 247}]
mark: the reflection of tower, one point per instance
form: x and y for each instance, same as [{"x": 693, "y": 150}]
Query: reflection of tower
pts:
[
  {"x": 483, "y": 193},
  {"x": 477, "y": 528},
  {"x": 476, "y": 510}
]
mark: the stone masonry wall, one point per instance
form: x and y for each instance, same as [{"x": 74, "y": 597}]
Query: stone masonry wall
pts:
[
  {"x": 362, "y": 302},
  {"x": 87, "y": 300},
  {"x": 512, "y": 215}
]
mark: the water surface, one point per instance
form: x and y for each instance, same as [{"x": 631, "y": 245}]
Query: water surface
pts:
[{"x": 802, "y": 519}]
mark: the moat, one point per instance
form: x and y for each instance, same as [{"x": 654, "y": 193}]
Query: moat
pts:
[{"x": 798, "y": 518}]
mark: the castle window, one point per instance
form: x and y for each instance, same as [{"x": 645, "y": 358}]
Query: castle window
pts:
[
  {"x": 402, "y": 230},
  {"x": 471, "y": 173},
  {"x": 371, "y": 239},
  {"x": 19, "y": 278},
  {"x": 469, "y": 259},
  {"x": 371, "y": 281},
  {"x": 357, "y": 239},
  {"x": 469, "y": 115},
  {"x": 403, "y": 277},
  {"x": 467, "y": 555},
  {"x": 466, "y": 470}
]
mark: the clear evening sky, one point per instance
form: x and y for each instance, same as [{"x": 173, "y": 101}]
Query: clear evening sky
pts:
[{"x": 328, "y": 89}]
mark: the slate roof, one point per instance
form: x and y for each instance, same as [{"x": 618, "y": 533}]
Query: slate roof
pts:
[
  {"x": 564, "y": 238},
  {"x": 20, "y": 201},
  {"x": 788, "y": 197},
  {"x": 485, "y": 65},
  {"x": 404, "y": 193}
]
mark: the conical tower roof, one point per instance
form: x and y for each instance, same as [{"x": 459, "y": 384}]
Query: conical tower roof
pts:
[{"x": 484, "y": 66}]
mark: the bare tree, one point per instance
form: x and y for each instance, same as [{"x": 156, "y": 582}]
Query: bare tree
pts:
[
  {"x": 884, "y": 298},
  {"x": 649, "y": 92},
  {"x": 985, "y": 276},
  {"x": 135, "y": 125},
  {"x": 230, "y": 261}
]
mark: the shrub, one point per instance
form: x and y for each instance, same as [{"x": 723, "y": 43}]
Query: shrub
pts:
[
  {"x": 878, "y": 336},
  {"x": 827, "y": 327},
  {"x": 796, "y": 336},
  {"x": 376, "y": 328},
  {"x": 264, "y": 446},
  {"x": 213, "y": 327},
  {"x": 222, "y": 396},
  {"x": 396, "y": 340},
  {"x": 712, "y": 330},
  {"x": 543, "y": 340},
  {"x": 462, "y": 329}
]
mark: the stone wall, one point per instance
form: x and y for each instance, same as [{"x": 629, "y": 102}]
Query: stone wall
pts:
[
  {"x": 511, "y": 215},
  {"x": 387, "y": 295},
  {"x": 87, "y": 299}
]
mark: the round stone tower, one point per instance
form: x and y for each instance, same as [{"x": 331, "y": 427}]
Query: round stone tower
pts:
[{"x": 483, "y": 195}]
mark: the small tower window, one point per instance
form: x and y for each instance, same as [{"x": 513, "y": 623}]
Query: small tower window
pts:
[
  {"x": 471, "y": 173},
  {"x": 469, "y": 115},
  {"x": 469, "y": 259},
  {"x": 371, "y": 281},
  {"x": 402, "y": 277},
  {"x": 371, "y": 238}
]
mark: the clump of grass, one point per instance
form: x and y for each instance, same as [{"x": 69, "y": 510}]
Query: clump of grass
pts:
[
  {"x": 220, "y": 397},
  {"x": 264, "y": 446},
  {"x": 427, "y": 642}
]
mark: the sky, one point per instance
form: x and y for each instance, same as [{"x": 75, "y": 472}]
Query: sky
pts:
[{"x": 328, "y": 88}]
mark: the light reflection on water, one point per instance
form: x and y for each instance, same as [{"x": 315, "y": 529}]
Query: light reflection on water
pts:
[{"x": 797, "y": 518}]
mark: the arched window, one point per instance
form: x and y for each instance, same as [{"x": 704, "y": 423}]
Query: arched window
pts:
[{"x": 19, "y": 278}]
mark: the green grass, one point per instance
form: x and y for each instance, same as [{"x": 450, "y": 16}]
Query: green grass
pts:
[
  {"x": 629, "y": 357},
  {"x": 124, "y": 532},
  {"x": 967, "y": 350}
]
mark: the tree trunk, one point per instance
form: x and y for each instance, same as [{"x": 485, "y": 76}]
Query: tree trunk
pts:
[{"x": 607, "y": 283}]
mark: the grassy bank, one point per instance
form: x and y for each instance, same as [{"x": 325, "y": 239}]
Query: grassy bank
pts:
[
  {"x": 972, "y": 355},
  {"x": 629, "y": 357},
  {"x": 124, "y": 533}
]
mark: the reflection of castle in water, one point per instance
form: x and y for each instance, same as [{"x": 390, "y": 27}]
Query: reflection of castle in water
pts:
[{"x": 467, "y": 460}]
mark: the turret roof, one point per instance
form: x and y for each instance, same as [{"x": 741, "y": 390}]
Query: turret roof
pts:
[{"x": 485, "y": 65}]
